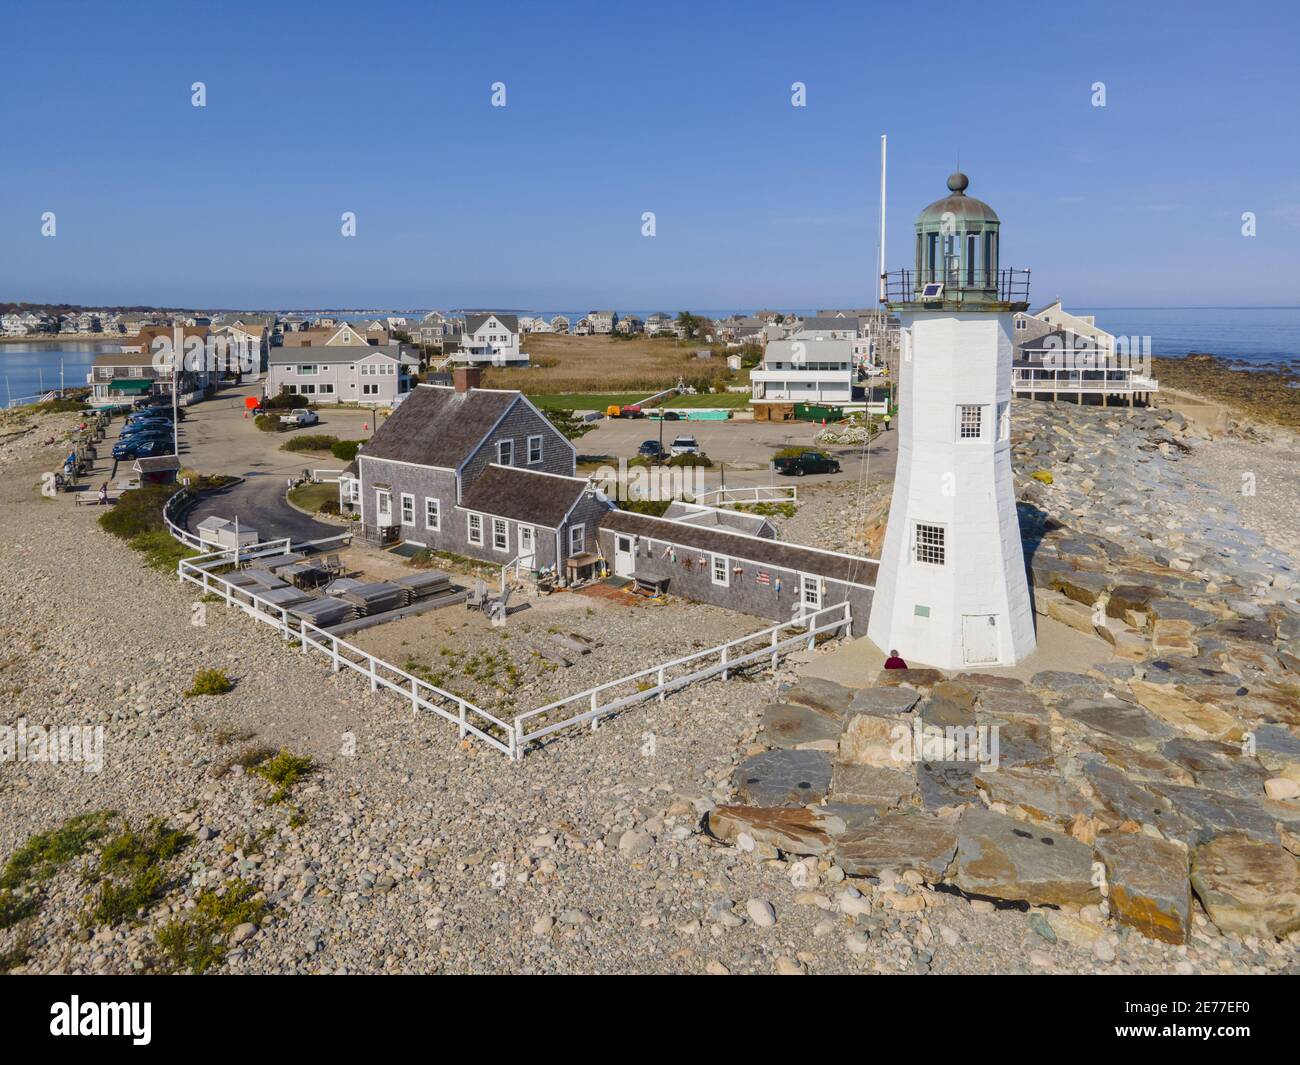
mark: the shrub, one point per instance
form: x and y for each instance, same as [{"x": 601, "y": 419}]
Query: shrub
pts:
[
  {"x": 42, "y": 855},
  {"x": 310, "y": 442},
  {"x": 691, "y": 460},
  {"x": 198, "y": 941},
  {"x": 133, "y": 867},
  {"x": 284, "y": 771},
  {"x": 209, "y": 682},
  {"x": 330, "y": 506},
  {"x": 284, "y": 401},
  {"x": 345, "y": 450},
  {"x": 270, "y": 423},
  {"x": 138, "y": 510}
]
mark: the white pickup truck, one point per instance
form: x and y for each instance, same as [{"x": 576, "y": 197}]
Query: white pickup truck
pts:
[{"x": 299, "y": 416}]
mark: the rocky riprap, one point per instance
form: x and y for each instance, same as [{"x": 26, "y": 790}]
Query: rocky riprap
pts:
[{"x": 1153, "y": 791}]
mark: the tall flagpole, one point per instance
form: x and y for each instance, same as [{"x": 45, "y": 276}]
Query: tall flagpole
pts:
[{"x": 883, "y": 150}]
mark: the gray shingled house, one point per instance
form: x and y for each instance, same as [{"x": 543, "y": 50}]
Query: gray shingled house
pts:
[{"x": 478, "y": 472}]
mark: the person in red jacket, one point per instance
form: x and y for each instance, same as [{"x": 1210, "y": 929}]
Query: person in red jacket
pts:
[{"x": 894, "y": 662}]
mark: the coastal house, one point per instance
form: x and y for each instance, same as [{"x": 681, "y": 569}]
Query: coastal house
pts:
[
  {"x": 340, "y": 336},
  {"x": 657, "y": 323},
  {"x": 490, "y": 339},
  {"x": 559, "y": 324},
  {"x": 603, "y": 322},
  {"x": 629, "y": 324},
  {"x": 1056, "y": 354},
  {"x": 476, "y": 472},
  {"x": 355, "y": 373},
  {"x": 815, "y": 365}
]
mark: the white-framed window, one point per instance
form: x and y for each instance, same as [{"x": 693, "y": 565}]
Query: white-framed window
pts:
[
  {"x": 810, "y": 592},
  {"x": 432, "y": 514},
  {"x": 928, "y": 544},
  {"x": 1004, "y": 421},
  {"x": 577, "y": 539},
  {"x": 135, "y": 371},
  {"x": 325, "y": 390},
  {"x": 475, "y": 529},
  {"x": 369, "y": 390},
  {"x": 721, "y": 570},
  {"x": 506, "y": 452},
  {"x": 308, "y": 390},
  {"x": 408, "y": 509},
  {"x": 970, "y": 421},
  {"x": 306, "y": 370},
  {"x": 534, "y": 450},
  {"x": 500, "y": 534}
]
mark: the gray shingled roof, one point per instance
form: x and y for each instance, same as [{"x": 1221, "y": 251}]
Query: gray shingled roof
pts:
[
  {"x": 750, "y": 549},
  {"x": 473, "y": 321},
  {"x": 524, "y": 495},
  {"x": 438, "y": 426}
]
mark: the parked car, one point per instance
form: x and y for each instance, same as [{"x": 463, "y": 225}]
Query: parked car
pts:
[
  {"x": 684, "y": 445},
  {"x": 652, "y": 449},
  {"x": 145, "y": 423},
  {"x": 806, "y": 462},
  {"x": 144, "y": 434},
  {"x": 300, "y": 416},
  {"x": 141, "y": 449}
]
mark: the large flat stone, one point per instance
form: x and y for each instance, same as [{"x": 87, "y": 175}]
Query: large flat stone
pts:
[
  {"x": 1123, "y": 721},
  {"x": 796, "y": 727},
  {"x": 784, "y": 778},
  {"x": 820, "y": 694},
  {"x": 1130, "y": 597},
  {"x": 1044, "y": 797},
  {"x": 1002, "y": 858},
  {"x": 917, "y": 678},
  {"x": 870, "y": 739},
  {"x": 1136, "y": 762},
  {"x": 885, "y": 702},
  {"x": 795, "y": 830},
  {"x": 1004, "y": 704},
  {"x": 945, "y": 784},
  {"x": 1216, "y": 813},
  {"x": 1023, "y": 742},
  {"x": 1248, "y": 887},
  {"x": 872, "y": 785},
  {"x": 1133, "y": 802},
  {"x": 1068, "y": 685},
  {"x": 899, "y": 841},
  {"x": 1199, "y": 720},
  {"x": 1148, "y": 883}
]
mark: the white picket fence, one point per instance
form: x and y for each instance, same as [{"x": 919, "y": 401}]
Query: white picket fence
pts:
[
  {"x": 511, "y": 738},
  {"x": 469, "y": 719},
  {"x": 768, "y": 493},
  {"x": 657, "y": 681}
]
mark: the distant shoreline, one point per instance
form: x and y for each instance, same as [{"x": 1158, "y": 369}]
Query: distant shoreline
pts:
[{"x": 72, "y": 338}]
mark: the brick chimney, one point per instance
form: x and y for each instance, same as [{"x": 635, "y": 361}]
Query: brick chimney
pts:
[{"x": 466, "y": 377}]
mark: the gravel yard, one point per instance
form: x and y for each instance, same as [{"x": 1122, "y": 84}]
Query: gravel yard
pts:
[{"x": 406, "y": 850}]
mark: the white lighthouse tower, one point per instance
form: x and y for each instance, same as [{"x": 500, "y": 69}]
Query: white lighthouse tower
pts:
[{"x": 951, "y": 590}]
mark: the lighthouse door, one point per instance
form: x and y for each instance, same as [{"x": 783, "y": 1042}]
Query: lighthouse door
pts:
[{"x": 979, "y": 639}]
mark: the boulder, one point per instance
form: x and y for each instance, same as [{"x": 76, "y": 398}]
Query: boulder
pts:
[
  {"x": 1133, "y": 802},
  {"x": 1247, "y": 886},
  {"x": 1148, "y": 884},
  {"x": 1217, "y": 813},
  {"x": 872, "y": 785},
  {"x": 898, "y": 842},
  {"x": 916, "y": 678},
  {"x": 1130, "y": 597},
  {"x": 784, "y": 778},
  {"x": 795, "y": 830},
  {"x": 1002, "y": 858},
  {"x": 870, "y": 739}
]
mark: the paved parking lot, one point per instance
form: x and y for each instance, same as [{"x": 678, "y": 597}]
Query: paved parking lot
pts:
[
  {"x": 217, "y": 437},
  {"x": 745, "y": 447}
]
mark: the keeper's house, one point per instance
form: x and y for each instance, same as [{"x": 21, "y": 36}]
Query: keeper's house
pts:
[
  {"x": 751, "y": 573},
  {"x": 478, "y": 472}
]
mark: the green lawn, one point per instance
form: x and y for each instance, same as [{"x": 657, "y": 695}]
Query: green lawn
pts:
[
  {"x": 601, "y": 400},
  {"x": 311, "y": 496}
]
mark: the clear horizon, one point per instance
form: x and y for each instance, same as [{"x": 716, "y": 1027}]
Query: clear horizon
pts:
[{"x": 682, "y": 112}]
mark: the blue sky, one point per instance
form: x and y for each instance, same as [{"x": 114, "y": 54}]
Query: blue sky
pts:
[{"x": 616, "y": 109}]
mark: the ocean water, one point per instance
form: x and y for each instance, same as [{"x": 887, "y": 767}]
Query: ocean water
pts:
[
  {"x": 1254, "y": 335},
  {"x": 27, "y": 370}
]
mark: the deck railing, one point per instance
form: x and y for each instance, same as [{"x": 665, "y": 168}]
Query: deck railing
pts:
[{"x": 730, "y": 497}]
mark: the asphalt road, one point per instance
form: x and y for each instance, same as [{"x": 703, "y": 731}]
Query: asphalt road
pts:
[{"x": 222, "y": 440}]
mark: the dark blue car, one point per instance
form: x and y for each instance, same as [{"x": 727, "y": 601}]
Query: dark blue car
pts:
[{"x": 141, "y": 449}]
